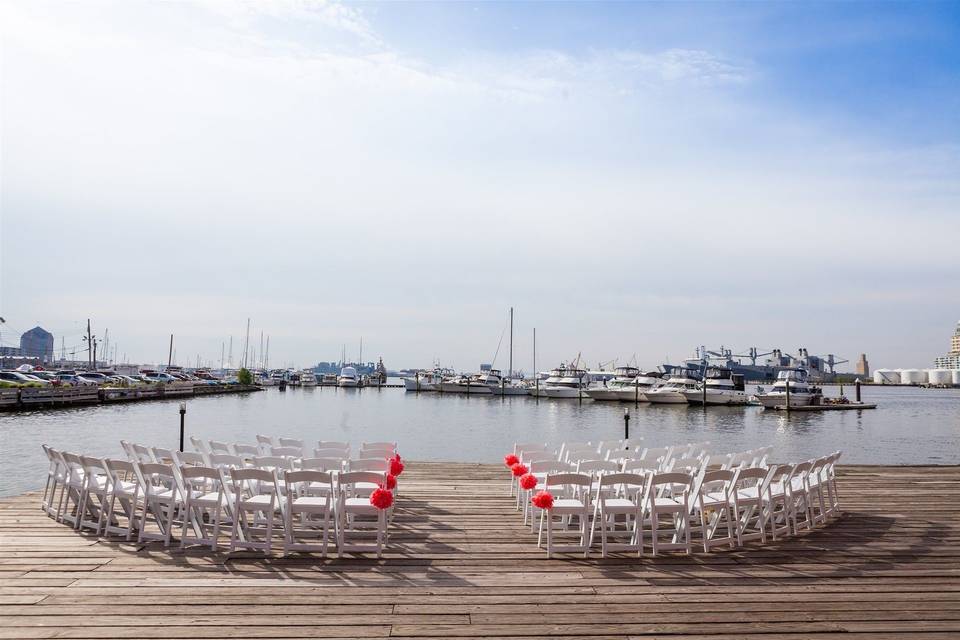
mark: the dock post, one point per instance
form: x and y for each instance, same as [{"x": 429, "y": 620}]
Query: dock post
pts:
[
  {"x": 786, "y": 384},
  {"x": 183, "y": 413},
  {"x": 626, "y": 423},
  {"x": 857, "y": 387}
]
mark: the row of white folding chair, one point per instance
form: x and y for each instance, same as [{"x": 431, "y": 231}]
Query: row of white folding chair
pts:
[{"x": 167, "y": 494}]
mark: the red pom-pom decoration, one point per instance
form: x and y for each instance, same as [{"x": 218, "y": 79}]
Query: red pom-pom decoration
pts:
[
  {"x": 381, "y": 498},
  {"x": 397, "y": 456},
  {"x": 396, "y": 467},
  {"x": 519, "y": 469},
  {"x": 510, "y": 459},
  {"x": 391, "y": 481},
  {"x": 543, "y": 500},
  {"x": 528, "y": 481}
]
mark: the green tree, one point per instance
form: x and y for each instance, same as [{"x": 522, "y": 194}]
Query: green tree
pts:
[{"x": 244, "y": 376}]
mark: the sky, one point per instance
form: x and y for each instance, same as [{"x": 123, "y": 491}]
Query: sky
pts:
[{"x": 634, "y": 179}]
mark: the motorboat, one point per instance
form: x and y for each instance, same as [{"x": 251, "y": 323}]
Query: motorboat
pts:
[
  {"x": 483, "y": 382},
  {"x": 609, "y": 389},
  {"x": 802, "y": 393},
  {"x": 348, "y": 378},
  {"x": 426, "y": 380},
  {"x": 510, "y": 387},
  {"x": 328, "y": 380},
  {"x": 565, "y": 382},
  {"x": 720, "y": 386},
  {"x": 673, "y": 391},
  {"x": 643, "y": 382},
  {"x": 308, "y": 379}
]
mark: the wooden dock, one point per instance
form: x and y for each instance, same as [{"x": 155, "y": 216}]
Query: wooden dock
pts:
[{"x": 461, "y": 564}]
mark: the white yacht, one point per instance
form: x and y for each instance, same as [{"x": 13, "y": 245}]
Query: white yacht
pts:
[
  {"x": 565, "y": 382},
  {"x": 483, "y": 382},
  {"x": 673, "y": 391},
  {"x": 348, "y": 378},
  {"x": 511, "y": 387},
  {"x": 609, "y": 389},
  {"x": 636, "y": 390},
  {"x": 427, "y": 380},
  {"x": 802, "y": 393},
  {"x": 308, "y": 379},
  {"x": 720, "y": 387}
]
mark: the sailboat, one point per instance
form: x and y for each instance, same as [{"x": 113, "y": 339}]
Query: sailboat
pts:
[{"x": 508, "y": 385}]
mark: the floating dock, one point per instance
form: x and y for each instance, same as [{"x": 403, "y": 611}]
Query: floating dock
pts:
[
  {"x": 46, "y": 397},
  {"x": 850, "y": 406},
  {"x": 461, "y": 564}
]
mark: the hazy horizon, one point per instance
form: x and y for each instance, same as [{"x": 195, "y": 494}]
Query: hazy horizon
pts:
[{"x": 635, "y": 179}]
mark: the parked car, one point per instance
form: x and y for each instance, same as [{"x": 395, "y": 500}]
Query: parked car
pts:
[
  {"x": 156, "y": 376},
  {"x": 92, "y": 377},
  {"x": 21, "y": 378}
]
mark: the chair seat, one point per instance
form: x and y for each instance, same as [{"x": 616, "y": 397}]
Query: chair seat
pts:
[
  {"x": 567, "y": 504},
  {"x": 714, "y": 499},
  {"x": 258, "y": 501},
  {"x": 750, "y": 493},
  {"x": 312, "y": 501},
  {"x": 619, "y": 504},
  {"x": 667, "y": 504},
  {"x": 208, "y": 499},
  {"x": 359, "y": 505}
]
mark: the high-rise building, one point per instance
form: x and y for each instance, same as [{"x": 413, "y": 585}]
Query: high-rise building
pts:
[
  {"x": 863, "y": 367},
  {"x": 952, "y": 359},
  {"x": 37, "y": 343}
]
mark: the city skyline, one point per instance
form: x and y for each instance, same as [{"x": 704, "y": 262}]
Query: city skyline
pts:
[{"x": 631, "y": 178}]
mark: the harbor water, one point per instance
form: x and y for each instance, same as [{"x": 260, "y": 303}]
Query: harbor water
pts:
[{"x": 910, "y": 426}]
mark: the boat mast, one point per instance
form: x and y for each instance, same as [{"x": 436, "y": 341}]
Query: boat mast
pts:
[{"x": 510, "y": 374}]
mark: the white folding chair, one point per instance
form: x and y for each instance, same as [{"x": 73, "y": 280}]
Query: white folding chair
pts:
[
  {"x": 287, "y": 452},
  {"x": 777, "y": 501},
  {"x": 265, "y": 442},
  {"x": 540, "y": 470},
  {"x": 619, "y": 494},
  {"x": 748, "y": 502},
  {"x": 322, "y": 464},
  {"x": 291, "y": 442},
  {"x": 72, "y": 489},
  {"x": 161, "y": 500},
  {"x": 344, "y": 447},
  {"x": 656, "y": 457},
  {"x": 716, "y": 509},
  {"x": 199, "y": 445},
  {"x": 257, "y": 509},
  {"x": 392, "y": 446},
  {"x": 830, "y": 481},
  {"x": 55, "y": 478},
  {"x": 96, "y": 487},
  {"x": 309, "y": 512},
  {"x": 669, "y": 497},
  {"x": 356, "y": 517},
  {"x": 245, "y": 450},
  {"x": 125, "y": 489},
  {"x": 799, "y": 497},
  {"x": 162, "y": 455},
  {"x": 204, "y": 503},
  {"x": 219, "y": 447},
  {"x": 189, "y": 459},
  {"x": 340, "y": 454},
  {"x": 574, "y": 501},
  {"x": 142, "y": 454}
]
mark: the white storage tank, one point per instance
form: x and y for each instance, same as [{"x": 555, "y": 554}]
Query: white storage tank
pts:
[
  {"x": 940, "y": 376},
  {"x": 886, "y": 376},
  {"x": 913, "y": 376},
  {"x": 956, "y": 377}
]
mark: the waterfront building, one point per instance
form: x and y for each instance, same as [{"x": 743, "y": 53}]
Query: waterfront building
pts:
[
  {"x": 952, "y": 359},
  {"x": 37, "y": 343},
  {"x": 863, "y": 367}
]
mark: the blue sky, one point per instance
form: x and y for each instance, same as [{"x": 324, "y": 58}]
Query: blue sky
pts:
[{"x": 634, "y": 178}]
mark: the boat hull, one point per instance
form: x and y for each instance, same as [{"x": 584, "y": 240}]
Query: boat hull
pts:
[
  {"x": 772, "y": 400},
  {"x": 562, "y": 392},
  {"x": 472, "y": 389},
  {"x": 348, "y": 384},
  {"x": 666, "y": 397},
  {"x": 604, "y": 394},
  {"x": 410, "y": 384},
  {"x": 631, "y": 395},
  {"x": 509, "y": 390},
  {"x": 717, "y": 398}
]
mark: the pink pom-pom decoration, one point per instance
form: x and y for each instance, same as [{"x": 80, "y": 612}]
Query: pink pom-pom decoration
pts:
[
  {"x": 543, "y": 500},
  {"x": 528, "y": 481},
  {"x": 510, "y": 459},
  {"x": 381, "y": 498},
  {"x": 396, "y": 467},
  {"x": 391, "y": 481},
  {"x": 519, "y": 469}
]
